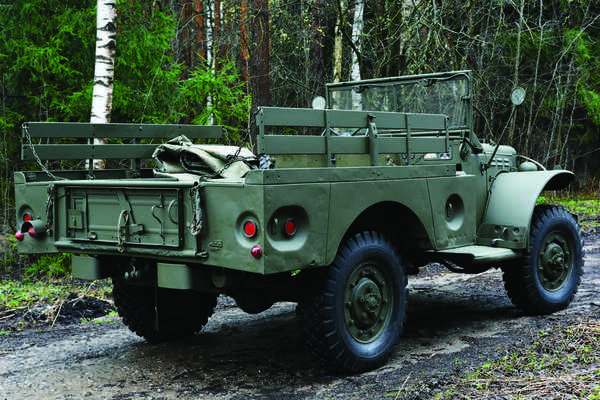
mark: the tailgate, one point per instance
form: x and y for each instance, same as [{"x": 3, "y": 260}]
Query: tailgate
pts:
[{"x": 123, "y": 216}]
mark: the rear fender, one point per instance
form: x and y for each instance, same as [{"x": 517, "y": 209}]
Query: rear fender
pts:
[{"x": 510, "y": 206}]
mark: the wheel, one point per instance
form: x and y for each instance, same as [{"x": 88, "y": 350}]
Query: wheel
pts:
[
  {"x": 551, "y": 272},
  {"x": 353, "y": 321},
  {"x": 159, "y": 314}
]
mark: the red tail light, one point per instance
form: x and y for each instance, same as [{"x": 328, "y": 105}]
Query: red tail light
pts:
[
  {"x": 32, "y": 233},
  {"x": 290, "y": 227},
  {"x": 19, "y": 236},
  {"x": 250, "y": 229},
  {"x": 256, "y": 252},
  {"x": 27, "y": 217}
]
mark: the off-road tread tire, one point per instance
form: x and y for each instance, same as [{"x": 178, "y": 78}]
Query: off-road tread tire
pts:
[
  {"x": 316, "y": 315},
  {"x": 522, "y": 282},
  {"x": 177, "y": 314}
]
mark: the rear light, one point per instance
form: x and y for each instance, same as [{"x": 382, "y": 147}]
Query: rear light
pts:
[
  {"x": 19, "y": 236},
  {"x": 256, "y": 252},
  {"x": 27, "y": 217},
  {"x": 32, "y": 233},
  {"x": 290, "y": 227},
  {"x": 250, "y": 229}
]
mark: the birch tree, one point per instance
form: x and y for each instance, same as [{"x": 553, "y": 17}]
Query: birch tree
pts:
[{"x": 106, "y": 15}]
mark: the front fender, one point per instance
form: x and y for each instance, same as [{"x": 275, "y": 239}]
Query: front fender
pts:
[{"x": 510, "y": 206}]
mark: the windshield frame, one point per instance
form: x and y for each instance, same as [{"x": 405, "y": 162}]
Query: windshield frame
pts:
[{"x": 466, "y": 99}]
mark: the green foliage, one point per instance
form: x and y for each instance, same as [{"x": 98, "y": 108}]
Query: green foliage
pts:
[
  {"x": 588, "y": 64},
  {"x": 585, "y": 206},
  {"x": 146, "y": 76},
  {"x": 45, "y": 52},
  {"x": 18, "y": 294},
  {"x": 46, "y": 47},
  {"x": 50, "y": 265},
  {"x": 10, "y": 257},
  {"x": 217, "y": 98},
  {"x": 150, "y": 86}
]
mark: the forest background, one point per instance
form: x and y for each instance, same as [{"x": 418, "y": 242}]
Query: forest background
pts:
[{"x": 202, "y": 61}]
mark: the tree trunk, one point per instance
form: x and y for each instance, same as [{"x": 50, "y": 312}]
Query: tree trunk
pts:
[
  {"x": 316, "y": 67},
  {"x": 337, "y": 48},
  {"x": 200, "y": 29},
  {"x": 244, "y": 39},
  {"x": 106, "y": 16},
  {"x": 357, "y": 27},
  {"x": 216, "y": 45},
  {"x": 260, "y": 86}
]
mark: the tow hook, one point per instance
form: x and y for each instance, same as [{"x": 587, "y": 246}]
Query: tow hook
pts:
[{"x": 133, "y": 274}]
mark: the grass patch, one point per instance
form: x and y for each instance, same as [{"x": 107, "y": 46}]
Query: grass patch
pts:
[
  {"x": 46, "y": 302},
  {"x": 561, "y": 363},
  {"x": 19, "y": 294},
  {"x": 22, "y": 294},
  {"x": 587, "y": 208}
]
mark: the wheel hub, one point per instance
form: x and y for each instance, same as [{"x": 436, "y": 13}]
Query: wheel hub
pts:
[
  {"x": 555, "y": 262},
  {"x": 367, "y": 303}
]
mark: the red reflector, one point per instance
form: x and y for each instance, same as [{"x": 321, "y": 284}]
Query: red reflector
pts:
[
  {"x": 32, "y": 233},
  {"x": 26, "y": 217},
  {"x": 250, "y": 228},
  {"x": 290, "y": 227},
  {"x": 19, "y": 236},
  {"x": 256, "y": 252}
]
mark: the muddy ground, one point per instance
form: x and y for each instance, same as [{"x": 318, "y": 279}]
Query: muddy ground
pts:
[{"x": 455, "y": 323}]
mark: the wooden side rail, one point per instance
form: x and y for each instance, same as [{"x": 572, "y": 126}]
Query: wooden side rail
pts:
[
  {"x": 412, "y": 133},
  {"x": 33, "y": 131}
]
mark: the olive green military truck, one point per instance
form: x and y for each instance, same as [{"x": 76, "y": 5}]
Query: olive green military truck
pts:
[{"x": 340, "y": 203}]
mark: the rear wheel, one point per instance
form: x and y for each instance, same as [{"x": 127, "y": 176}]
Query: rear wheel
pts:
[
  {"x": 159, "y": 314},
  {"x": 354, "y": 320},
  {"x": 552, "y": 270}
]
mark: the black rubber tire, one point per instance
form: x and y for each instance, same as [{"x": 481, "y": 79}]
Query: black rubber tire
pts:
[
  {"x": 548, "y": 277},
  {"x": 160, "y": 314},
  {"x": 355, "y": 318}
]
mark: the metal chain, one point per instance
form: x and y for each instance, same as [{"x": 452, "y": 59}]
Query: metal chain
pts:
[
  {"x": 196, "y": 224},
  {"x": 37, "y": 158},
  {"x": 231, "y": 159}
]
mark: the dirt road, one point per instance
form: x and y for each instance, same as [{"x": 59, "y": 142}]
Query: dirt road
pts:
[{"x": 455, "y": 322}]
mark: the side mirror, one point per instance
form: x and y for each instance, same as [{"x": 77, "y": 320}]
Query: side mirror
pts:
[{"x": 517, "y": 97}]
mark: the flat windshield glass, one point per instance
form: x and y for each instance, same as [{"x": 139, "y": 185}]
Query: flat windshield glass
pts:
[{"x": 435, "y": 95}]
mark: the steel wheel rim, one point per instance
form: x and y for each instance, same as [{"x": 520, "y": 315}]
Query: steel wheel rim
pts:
[
  {"x": 555, "y": 261},
  {"x": 367, "y": 303}
]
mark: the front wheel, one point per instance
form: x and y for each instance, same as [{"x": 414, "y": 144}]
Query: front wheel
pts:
[
  {"x": 551, "y": 274},
  {"x": 354, "y": 320}
]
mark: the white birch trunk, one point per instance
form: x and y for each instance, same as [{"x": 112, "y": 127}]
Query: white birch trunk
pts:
[
  {"x": 337, "y": 49},
  {"x": 106, "y": 15},
  {"x": 357, "y": 26}
]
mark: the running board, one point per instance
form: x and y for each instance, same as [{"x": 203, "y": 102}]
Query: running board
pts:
[{"x": 477, "y": 255}]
